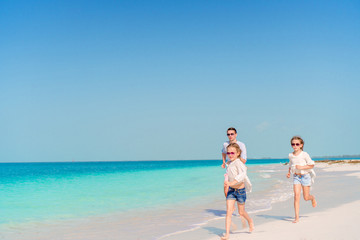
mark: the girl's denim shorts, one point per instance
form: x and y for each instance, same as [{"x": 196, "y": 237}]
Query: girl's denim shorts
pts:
[
  {"x": 304, "y": 180},
  {"x": 237, "y": 194}
]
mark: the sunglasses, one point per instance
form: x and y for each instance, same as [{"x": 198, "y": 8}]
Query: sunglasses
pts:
[
  {"x": 295, "y": 144},
  {"x": 230, "y": 153},
  {"x": 230, "y": 134}
]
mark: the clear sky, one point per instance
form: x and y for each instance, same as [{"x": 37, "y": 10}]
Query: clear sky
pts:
[{"x": 163, "y": 80}]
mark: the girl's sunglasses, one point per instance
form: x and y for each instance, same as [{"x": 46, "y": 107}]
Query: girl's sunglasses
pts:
[
  {"x": 230, "y": 153},
  {"x": 295, "y": 144}
]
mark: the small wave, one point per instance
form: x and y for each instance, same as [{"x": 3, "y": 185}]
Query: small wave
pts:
[
  {"x": 268, "y": 171},
  {"x": 195, "y": 227},
  {"x": 258, "y": 205},
  {"x": 265, "y": 175},
  {"x": 260, "y": 210}
]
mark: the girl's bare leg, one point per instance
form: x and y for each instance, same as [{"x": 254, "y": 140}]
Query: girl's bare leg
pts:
[
  {"x": 226, "y": 190},
  {"x": 307, "y": 196},
  {"x": 229, "y": 212},
  {"x": 245, "y": 215},
  {"x": 297, "y": 192},
  {"x": 243, "y": 220}
]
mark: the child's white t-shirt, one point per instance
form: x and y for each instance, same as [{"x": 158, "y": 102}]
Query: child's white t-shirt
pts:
[{"x": 302, "y": 159}]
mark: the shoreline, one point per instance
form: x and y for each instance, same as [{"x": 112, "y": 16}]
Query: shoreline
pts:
[
  {"x": 332, "y": 188},
  {"x": 334, "y": 182}
]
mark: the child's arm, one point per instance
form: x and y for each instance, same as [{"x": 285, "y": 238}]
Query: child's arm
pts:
[
  {"x": 288, "y": 174},
  {"x": 237, "y": 180},
  {"x": 231, "y": 184},
  {"x": 304, "y": 167}
]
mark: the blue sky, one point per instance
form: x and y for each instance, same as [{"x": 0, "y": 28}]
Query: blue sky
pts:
[{"x": 163, "y": 80}]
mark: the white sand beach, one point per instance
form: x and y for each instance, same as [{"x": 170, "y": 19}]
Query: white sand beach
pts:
[
  {"x": 335, "y": 217},
  {"x": 334, "y": 223}
]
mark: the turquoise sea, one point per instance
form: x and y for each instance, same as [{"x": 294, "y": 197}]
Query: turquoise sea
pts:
[{"x": 46, "y": 192}]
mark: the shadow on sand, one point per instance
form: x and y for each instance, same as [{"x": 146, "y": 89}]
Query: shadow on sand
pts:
[
  {"x": 218, "y": 213},
  {"x": 283, "y": 218},
  {"x": 215, "y": 231}
]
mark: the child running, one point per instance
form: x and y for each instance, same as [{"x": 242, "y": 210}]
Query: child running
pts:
[
  {"x": 301, "y": 166},
  {"x": 237, "y": 182}
]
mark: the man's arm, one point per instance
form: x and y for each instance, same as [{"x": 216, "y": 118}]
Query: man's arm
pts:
[{"x": 223, "y": 159}]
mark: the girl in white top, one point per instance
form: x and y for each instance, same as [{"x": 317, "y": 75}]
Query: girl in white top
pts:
[
  {"x": 301, "y": 166},
  {"x": 238, "y": 182}
]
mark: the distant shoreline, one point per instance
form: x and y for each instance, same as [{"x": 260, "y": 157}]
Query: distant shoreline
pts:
[
  {"x": 340, "y": 161},
  {"x": 317, "y": 159},
  {"x": 342, "y": 156}
]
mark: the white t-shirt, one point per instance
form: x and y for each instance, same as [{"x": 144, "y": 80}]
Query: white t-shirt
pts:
[
  {"x": 236, "y": 170},
  {"x": 302, "y": 159},
  {"x": 242, "y": 148}
]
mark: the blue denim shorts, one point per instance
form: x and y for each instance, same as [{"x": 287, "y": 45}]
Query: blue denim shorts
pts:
[
  {"x": 237, "y": 194},
  {"x": 304, "y": 180}
]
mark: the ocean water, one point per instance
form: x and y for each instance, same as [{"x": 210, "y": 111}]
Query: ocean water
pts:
[{"x": 48, "y": 192}]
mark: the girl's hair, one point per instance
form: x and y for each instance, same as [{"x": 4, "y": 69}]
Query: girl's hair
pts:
[
  {"x": 300, "y": 139},
  {"x": 235, "y": 145},
  {"x": 231, "y": 128}
]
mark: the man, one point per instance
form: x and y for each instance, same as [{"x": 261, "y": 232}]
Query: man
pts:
[{"x": 232, "y": 134}]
